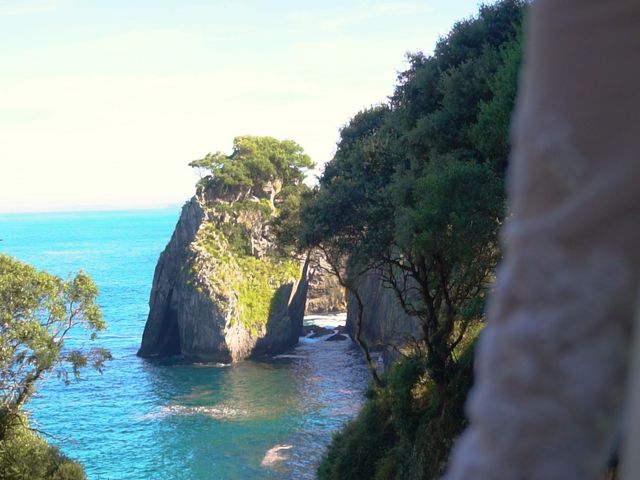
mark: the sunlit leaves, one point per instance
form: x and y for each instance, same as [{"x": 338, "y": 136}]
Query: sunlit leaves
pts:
[
  {"x": 38, "y": 311},
  {"x": 255, "y": 161}
]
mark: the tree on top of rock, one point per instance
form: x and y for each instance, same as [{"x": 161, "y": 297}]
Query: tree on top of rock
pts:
[{"x": 257, "y": 166}]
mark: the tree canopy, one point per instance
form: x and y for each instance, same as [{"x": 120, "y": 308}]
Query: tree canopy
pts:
[
  {"x": 256, "y": 162},
  {"x": 415, "y": 189},
  {"x": 37, "y": 312},
  {"x": 415, "y": 194}
]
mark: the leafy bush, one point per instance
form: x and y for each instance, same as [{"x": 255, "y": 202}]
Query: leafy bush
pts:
[
  {"x": 25, "y": 455},
  {"x": 404, "y": 431},
  {"x": 354, "y": 450},
  {"x": 256, "y": 162}
]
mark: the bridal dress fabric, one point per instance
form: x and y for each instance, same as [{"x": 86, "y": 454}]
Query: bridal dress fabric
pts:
[{"x": 553, "y": 361}]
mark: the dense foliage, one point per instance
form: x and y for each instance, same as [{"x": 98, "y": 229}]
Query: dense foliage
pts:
[
  {"x": 38, "y": 311},
  {"x": 415, "y": 192},
  {"x": 257, "y": 163},
  {"x": 262, "y": 175},
  {"x": 25, "y": 455},
  {"x": 404, "y": 430}
]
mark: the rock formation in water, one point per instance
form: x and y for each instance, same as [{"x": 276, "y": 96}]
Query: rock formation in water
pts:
[{"x": 220, "y": 293}]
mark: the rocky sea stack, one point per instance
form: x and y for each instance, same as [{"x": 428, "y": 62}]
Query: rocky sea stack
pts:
[
  {"x": 223, "y": 290},
  {"x": 212, "y": 302}
]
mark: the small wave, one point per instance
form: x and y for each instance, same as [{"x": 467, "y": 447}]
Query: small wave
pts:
[
  {"x": 210, "y": 365},
  {"x": 219, "y": 412},
  {"x": 275, "y": 455},
  {"x": 330, "y": 320}
]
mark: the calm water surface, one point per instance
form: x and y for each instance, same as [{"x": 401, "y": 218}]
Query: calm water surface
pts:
[{"x": 141, "y": 420}]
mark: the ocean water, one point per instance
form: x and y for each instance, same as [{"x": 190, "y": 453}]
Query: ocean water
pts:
[{"x": 143, "y": 420}]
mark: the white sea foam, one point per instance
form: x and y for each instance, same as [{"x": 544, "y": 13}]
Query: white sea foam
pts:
[
  {"x": 329, "y": 320},
  {"x": 287, "y": 355},
  {"x": 219, "y": 412},
  {"x": 210, "y": 365}
]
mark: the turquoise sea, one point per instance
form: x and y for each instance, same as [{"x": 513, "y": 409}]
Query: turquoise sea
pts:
[{"x": 142, "y": 420}]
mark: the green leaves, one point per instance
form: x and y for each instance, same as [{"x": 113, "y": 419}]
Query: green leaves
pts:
[
  {"x": 26, "y": 455},
  {"x": 351, "y": 212},
  {"x": 37, "y": 312},
  {"x": 264, "y": 169},
  {"x": 490, "y": 133},
  {"x": 453, "y": 211},
  {"x": 256, "y": 162},
  {"x": 415, "y": 189}
]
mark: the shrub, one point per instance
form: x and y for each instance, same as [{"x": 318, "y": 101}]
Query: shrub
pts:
[
  {"x": 404, "y": 431},
  {"x": 25, "y": 455}
]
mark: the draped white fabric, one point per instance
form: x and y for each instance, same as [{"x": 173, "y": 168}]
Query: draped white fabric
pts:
[{"x": 552, "y": 363}]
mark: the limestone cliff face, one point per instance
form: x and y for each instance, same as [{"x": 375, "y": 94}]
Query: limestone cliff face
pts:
[
  {"x": 219, "y": 294},
  {"x": 385, "y": 324}
]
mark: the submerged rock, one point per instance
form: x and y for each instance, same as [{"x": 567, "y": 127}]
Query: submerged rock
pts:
[
  {"x": 220, "y": 294},
  {"x": 317, "y": 332},
  {"x": 336, "y": 337}
]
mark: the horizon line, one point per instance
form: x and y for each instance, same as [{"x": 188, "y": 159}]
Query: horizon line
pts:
[{"x": 96, "y": 208}]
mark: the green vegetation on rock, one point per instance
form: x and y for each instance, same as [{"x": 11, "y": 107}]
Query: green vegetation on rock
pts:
[
  {"x": 256, "y": 165},
  {"x": 405, "y": 430},
  {"x": 235, "y": 251},
  {"x": 258, "y": 285},
  {"x": 252, "y": 281}
]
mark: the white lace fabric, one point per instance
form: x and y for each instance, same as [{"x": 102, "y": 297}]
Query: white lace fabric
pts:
[{"x": 551, "y": 367}]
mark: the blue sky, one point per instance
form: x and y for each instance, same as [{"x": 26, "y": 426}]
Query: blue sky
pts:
[{"x": 104, "y": 102}]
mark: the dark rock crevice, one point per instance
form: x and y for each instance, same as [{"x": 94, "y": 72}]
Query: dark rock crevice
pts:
[
  {"x": 161, "y": 335},
  {"x": 168, "y": 343}
]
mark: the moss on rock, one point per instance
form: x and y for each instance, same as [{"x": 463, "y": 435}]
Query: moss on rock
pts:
[{"x": 245, "y": 284}]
